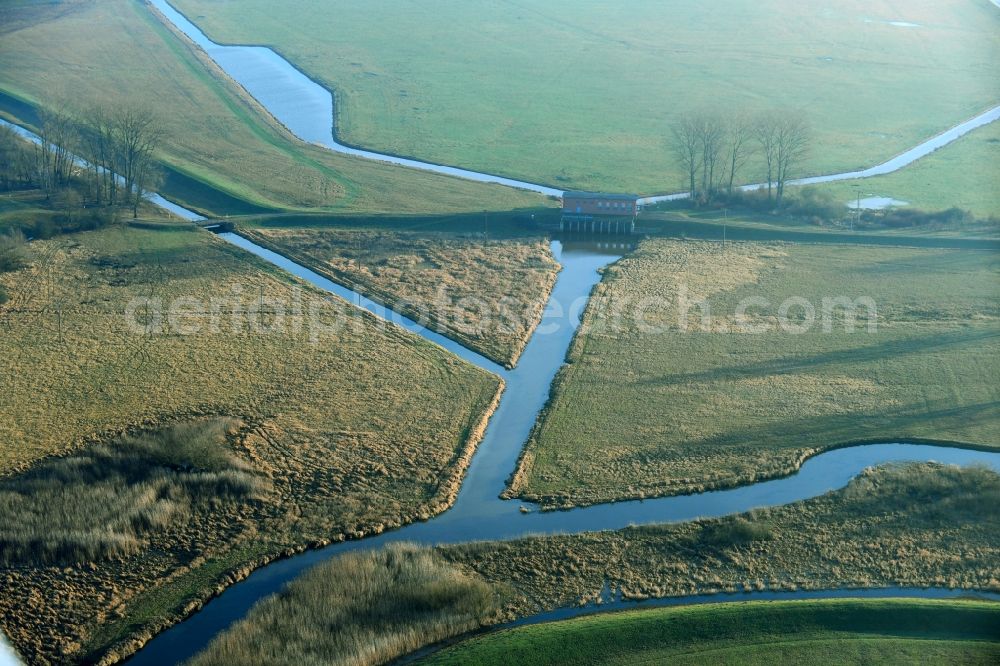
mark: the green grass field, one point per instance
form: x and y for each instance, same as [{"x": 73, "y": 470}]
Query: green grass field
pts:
[
  {"x": 218, "y": 139},
  {"x": 582, "y": 95},
  {"x": 963, "y": 175},
  {"x": 716, "y": 406},
  {"x": 833, "y": 631},
  {"x": 355, "y": 427}
]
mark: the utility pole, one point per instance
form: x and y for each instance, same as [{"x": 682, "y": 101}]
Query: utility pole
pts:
[
  {"x": 486, "y": 224},
  {"x": 725, "y": 223},
  {"x": 857, "y": 210}
]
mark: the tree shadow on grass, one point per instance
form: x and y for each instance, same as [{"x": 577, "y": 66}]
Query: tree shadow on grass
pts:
[
  {"x": 904, "y": 422},
  {"x": 858, "y": 355},
  {"x": 516, "y": 223}
]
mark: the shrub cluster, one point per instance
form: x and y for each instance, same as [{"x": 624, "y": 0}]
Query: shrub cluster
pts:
[
  {"x": 820, "y": 207},
  {"x": 812, "y": 204},
  {"x": 13, "y": 256},
  {"x": 912, "y": 217},
  {"x": 105, "y": 501},
  {"x": 70, "y": 221},
  {"x": 952, "y": 495},
  {"x": 734, "y": 531},
  {"x": 13, "y": 253}
]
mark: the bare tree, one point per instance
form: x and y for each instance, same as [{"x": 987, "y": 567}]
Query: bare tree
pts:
[
  {"x": 710, "y": 131},
  {"x": 765, "y": 132},
  {"x": 137, "y": 135},
  {"x": 739, "y": 146},
  {"x": 53, "y": 160},
  {"x": 98, "y": 145},
  {"x": 686, "y": 146},
  {"x": 714, "y": 148},
  {"x": 783, "y": 138},
  {"x": 10, "y": 152},
  {"x": 792, "y": 144}
]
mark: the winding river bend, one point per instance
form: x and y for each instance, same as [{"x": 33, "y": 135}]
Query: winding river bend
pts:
[{"x": 307, "y": 110}]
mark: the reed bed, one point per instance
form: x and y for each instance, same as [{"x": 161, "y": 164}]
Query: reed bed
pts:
[
  {"x": 107, "y": 500},
  {"x": 359, "y": 609}
]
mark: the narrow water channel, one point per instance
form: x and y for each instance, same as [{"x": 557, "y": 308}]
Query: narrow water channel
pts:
[
  {"x": 302, "y": 105},
  {"x": 478, "y": 514}
]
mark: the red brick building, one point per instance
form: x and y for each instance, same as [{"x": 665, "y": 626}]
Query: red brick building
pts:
[{"x": 599, "y": 212}]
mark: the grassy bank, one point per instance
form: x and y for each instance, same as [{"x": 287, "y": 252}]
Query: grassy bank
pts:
[
  {"x": 915, "y": 525},
  {"x": 354, "y": 426},
  {"x": 488, "y": 295},
  {"x": 583, "y": 96},
  {"x": 706, "y": 403},
  {"x": 834, "y": 631},
  {"x": 223, "y": 152},
  {"x": 751, "y": 226}
]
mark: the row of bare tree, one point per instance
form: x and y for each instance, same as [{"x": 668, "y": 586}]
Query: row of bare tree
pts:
[
  {"x": 118, "y": 144},
  {"x": 714, "y": 149}
]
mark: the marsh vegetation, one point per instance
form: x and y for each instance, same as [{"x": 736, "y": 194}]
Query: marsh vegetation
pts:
[
  {"x": 106, "y": 500},
  {"x": 915, "y": 525},
  {"x": 361, "y": 609},
  {"x": 357, "y": 430},
  {"x": 709, "y": 396},
  {"x": 143, "y": 471},
  {"x": 488, "y": 295},
  {"x": 933, "y": 519}
]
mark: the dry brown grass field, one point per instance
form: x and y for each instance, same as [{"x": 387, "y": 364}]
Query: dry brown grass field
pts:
[
  {"x": 488, "y": 295},
  {"x": 363, "y": 429},
  {"x": 716, "y": 406}
]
